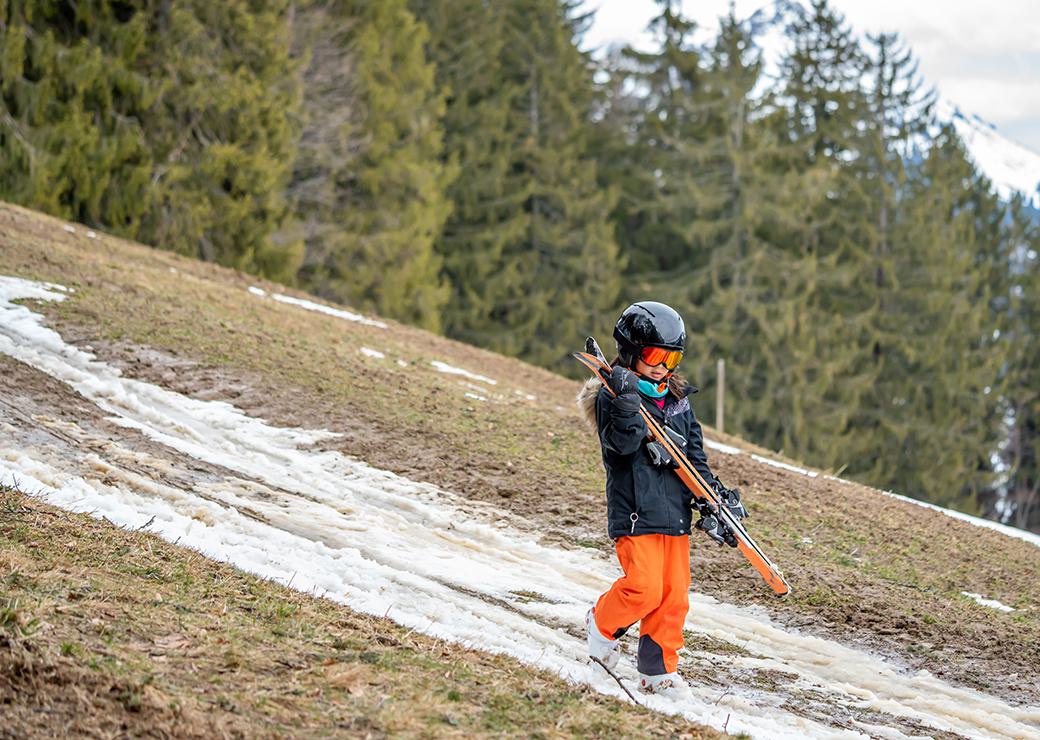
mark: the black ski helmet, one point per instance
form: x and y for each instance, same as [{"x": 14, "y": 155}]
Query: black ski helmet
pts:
[{"x": 648, "y": 324}]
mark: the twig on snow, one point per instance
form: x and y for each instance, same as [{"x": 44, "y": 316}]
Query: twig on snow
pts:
[{"x": 615, "y": 677}]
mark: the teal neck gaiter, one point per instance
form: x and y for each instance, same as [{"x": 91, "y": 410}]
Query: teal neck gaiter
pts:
[{"x": 649, "y": 388}]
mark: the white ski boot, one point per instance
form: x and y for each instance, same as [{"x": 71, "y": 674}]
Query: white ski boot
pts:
[
  {"x": 671, "y": 685},
  {"x": 600, "y": 648}
]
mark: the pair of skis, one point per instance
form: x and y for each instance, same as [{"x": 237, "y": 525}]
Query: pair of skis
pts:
[{"x": 594, "y": 360}]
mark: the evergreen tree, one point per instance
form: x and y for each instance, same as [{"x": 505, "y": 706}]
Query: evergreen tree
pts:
[
  {"x": 370, "y": 182},
  {"x": 169, "y": 123},
  {"x": 467, "y": 39},
  {"x": 735, "y": 282},
  {"x": 821, "y": 347},
  {"x": 667, "y": 142},
  {"x": 223, "y": 132},
  {"x": 942, "y": 417},
  {"x": 530, "y": 249},
  {"x": 566, "y": 260},
  {"x": 72, "y": 84},
  {"x": 896, "y": 127},
  {"x": 1019, "y": 499}
]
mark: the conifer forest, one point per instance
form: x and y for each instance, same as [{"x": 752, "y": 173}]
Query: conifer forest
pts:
[{"x": 470, "y": 168}]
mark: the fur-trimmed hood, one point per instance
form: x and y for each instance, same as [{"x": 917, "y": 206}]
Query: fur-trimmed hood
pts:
[{"x": 586, "y": 399}]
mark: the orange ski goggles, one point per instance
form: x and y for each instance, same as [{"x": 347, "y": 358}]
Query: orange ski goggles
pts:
[{"x": 654, "y": 356}]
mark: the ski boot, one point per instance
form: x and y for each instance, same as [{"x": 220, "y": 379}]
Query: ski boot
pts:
[
  {"x": 600, "y": 648},
  {"x": 671, "y": 685}
]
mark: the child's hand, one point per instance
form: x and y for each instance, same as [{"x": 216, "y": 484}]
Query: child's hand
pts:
[{"x": 623, "y": 381}]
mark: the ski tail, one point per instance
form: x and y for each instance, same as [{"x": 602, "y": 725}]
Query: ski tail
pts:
[{"x": 592, "y": 348}]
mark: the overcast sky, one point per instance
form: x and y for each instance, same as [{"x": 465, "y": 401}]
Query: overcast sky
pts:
[{"x": 982, "y": 56}]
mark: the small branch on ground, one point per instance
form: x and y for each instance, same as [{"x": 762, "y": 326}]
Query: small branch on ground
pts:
[{"x": 615, "y": 677}]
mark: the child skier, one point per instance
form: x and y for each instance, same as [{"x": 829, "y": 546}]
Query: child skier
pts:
[{"x": 649, "y": 509}]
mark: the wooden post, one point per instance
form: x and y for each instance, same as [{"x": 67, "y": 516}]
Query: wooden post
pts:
[{"x": 720, "y": 396}]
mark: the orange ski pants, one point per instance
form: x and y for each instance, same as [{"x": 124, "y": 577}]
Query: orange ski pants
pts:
[{"x": 654, "y": 592}]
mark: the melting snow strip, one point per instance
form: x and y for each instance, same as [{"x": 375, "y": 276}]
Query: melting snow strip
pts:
[
  {"x": 784, "y": 466},
  {"x": 726, "y": 449},
  {"x": 474, "y": 396},
  {"x": 368, "y": 352},
  {"x": 1020, "y": 534},
  {"x": 328, "y": 310},
  {"x": 383, "y": 544},
  {"x": 991, "y": 603},
  {"x": 444, "y": 367}
]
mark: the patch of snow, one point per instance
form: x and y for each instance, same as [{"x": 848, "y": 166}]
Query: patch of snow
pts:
[
  {"x": 91, "y": 235},
  {"x": 367, "y": 352},
  {"x": 69, "y": 229},
  {"x": 473, "y": 386},
  {"x": 384, "y": 545},
  {"x": 784, "y": 466},
  {"x": 723, "y": 448},
  {"x": 991, "y": 603},
  {"x": 1020, "y": 534},
  {"x": 56, "y": 286},
  {"x": 524, "y": 395},
  {"x": 337, "y": 312},
  {"x": 474, "y": 396},
  {"x": 444, "y": 367},
  {"x": 12, "y": 288},
  {"x": 1009, "y": 165},
  {"x": 402, "y": 363},
  {"x": 254, "y": 290},
  {"x": 328, "y": 310}
]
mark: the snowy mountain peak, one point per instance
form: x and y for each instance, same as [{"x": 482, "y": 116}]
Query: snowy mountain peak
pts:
[{"x": 1011, "y": 166}]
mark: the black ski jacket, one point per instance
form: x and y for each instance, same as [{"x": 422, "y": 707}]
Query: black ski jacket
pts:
[{"x": 643, "y": 498}]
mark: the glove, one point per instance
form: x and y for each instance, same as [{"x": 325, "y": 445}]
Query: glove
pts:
[
  {"x": 730, "y": 498},
  {"x": 625, "y": 384},
  {"x": 623, "y": 381}
]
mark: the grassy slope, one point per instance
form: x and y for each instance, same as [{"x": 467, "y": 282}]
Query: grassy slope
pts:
[{"x": 873, "y": 566}]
